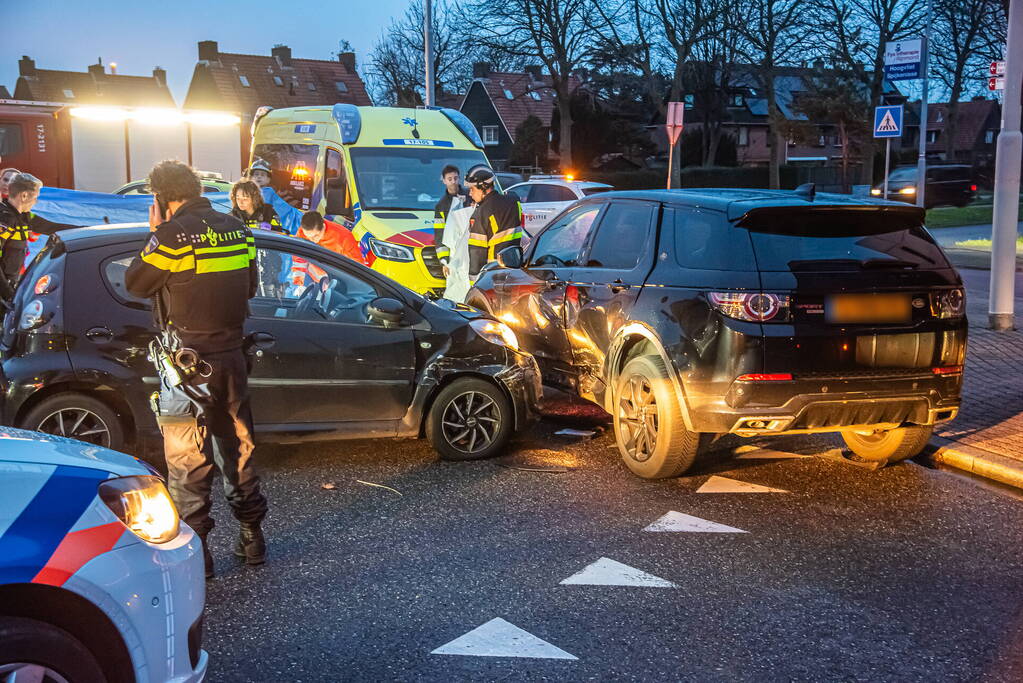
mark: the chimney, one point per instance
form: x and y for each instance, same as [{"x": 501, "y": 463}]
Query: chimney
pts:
[
  {"x": 209, "y": 51},
  {"x": 536, "y": 72},
  {"x": 348, "y": 59},
  {"x": 160, "y": 75},
  {"x": 481, "y": 69},
  {"x": 26, "y": 66},
  {"x": 283, "y": 54},
  {"x": 96, "y": 70}
]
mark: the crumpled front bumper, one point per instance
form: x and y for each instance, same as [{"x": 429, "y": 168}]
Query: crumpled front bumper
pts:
[{"x": 522, "y": 380}]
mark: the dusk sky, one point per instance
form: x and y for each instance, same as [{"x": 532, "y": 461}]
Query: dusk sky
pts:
[{"x": 71, "y": 34}]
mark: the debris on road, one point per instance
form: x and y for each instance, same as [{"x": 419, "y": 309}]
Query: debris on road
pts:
[
  {"x": 379, "y": 486},
  {"x": 328, "y": 485},
  {"x": 576, "y": 433}
]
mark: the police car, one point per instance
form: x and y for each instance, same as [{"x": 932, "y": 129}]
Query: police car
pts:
[
  {"x": 545, "y": 196},
  {"x": 99, "y": 581}
]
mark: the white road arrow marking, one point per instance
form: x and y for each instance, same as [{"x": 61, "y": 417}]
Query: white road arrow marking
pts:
[
  {"x": 607, "y": 572},
  {"x": 498, "y": 638},
  {"x": 676, "y": 521},
  {"x": 718, "y": 484}
]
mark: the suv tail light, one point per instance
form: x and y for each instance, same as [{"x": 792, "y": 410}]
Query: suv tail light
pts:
[
  {"x": 758, "y": 307},
  {"x": 973, "y": 188},
  {"x": 949, "y": 303}
]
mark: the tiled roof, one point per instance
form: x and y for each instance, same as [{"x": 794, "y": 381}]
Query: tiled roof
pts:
[
  {"x": 516, "y": 96},
  {"x": 973, "y": 117},
  {"x": 305, "y": 82},
  {"x": 90, "y": 88}
]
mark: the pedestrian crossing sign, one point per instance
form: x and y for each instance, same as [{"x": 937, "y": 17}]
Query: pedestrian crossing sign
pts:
[{"x": 888, "y": 121}]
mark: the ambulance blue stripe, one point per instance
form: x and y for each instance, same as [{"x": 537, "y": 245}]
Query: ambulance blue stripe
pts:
[{"x": 33, "y": 536}]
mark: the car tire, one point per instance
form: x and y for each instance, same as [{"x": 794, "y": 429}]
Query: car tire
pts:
[
  {"x": 479, "y": 302},
  {"x": 646, "y": 408},
  {"x": 889, "y": 445},
  {"x": 59, "y": 415},
  {"x": 28, "y": 647},
  {"x": 466, "y": 411}
]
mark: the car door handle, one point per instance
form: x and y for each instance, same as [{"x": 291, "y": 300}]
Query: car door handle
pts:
[
  {"x": 99, "y": 335},
  {"x": 263, "y": 340},
  {"x": 618, "y": 286},
  {"x": 554, "y": 283}
]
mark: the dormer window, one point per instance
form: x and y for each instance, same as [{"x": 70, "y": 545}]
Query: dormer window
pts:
[
  {"x": 278, "y": 82},
  {"x": 738, "y": 101},
  {"x": 312, "y": 86},
  {"x": 244, "y": 81},
  {"x": 341, "y": 86},
  {"x": 69, "y": 93},
  {"x": 508, "y": 94},
  {"x": 535, "y": 95}
]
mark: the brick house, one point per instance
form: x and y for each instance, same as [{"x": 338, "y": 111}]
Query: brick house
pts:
[
  {"x": 498, "y": 102},
  {"x": 94, "y": 86},
  {"x": 243, "y": 83},
  {"x": 979, "y": 121}
]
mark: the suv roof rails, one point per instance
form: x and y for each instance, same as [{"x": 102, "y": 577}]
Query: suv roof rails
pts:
[{"x": 806, "y": 191}]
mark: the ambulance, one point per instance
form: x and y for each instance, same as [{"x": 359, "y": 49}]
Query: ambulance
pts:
[{"x": 376, "y": 170}]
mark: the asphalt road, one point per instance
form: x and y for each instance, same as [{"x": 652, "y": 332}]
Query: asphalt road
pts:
[{"x": 900, "y": 574}]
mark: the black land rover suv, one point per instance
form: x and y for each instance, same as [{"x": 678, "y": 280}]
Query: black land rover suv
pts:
[{"x": 751, "y": 312}]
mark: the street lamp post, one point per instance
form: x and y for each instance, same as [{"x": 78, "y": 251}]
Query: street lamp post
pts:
[
  {"x": 921, "y": 159},
  {"x": 1008, "y": 156},
  {"x": 428, "y": 49}
]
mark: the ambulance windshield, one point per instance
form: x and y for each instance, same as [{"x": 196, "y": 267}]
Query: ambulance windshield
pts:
[{"x": 406, "y": 178}]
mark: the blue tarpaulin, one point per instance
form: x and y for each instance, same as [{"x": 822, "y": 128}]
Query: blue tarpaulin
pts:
[{"x": 97, "y": 208}]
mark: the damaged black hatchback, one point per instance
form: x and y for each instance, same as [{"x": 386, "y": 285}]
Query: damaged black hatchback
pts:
[{"x": 337, "y": 351}]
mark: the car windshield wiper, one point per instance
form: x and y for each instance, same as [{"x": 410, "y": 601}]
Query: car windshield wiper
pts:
[{"x": 888, "y": 263}]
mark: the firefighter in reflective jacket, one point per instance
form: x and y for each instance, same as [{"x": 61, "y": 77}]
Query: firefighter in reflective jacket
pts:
[
  {"x": 200, "y": 266},
  {"x": 497, "y": 222}
]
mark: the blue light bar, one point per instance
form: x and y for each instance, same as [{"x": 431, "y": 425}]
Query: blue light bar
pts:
[
  {"x": 463, "y": 124},
  {"x": 349, "y": 121}
]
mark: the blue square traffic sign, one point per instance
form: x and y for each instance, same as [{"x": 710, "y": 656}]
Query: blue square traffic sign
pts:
[{"x": 888, "y": 121}]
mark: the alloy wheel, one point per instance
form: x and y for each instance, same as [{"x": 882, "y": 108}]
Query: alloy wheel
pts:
[
  {"x": 23, "y": 672},
  {"x": 637, "y": 416},
  {"x": 76, "y": 423},
  {"x": 471, "y": 421}
]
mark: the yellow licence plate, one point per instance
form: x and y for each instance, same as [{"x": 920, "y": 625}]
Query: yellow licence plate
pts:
[{"x": 868, "y": 308}]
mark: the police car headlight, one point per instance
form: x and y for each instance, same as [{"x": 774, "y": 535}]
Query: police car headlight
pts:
[
  {"x": 495, "y": 333},
  {"x": 390, "y": 251},
  {"x": 144, "y": 506}
]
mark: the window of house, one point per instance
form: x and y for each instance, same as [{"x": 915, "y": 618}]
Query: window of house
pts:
[
  {"x": 341, "y": 86},
  {"x": 743, "y": 136},
  {"x": 535, "y": 95},
  {"x": 940, "y": 116},
  {"x": 989, "y": 137},
  {"x": 738, "y": 101},
  {"x": 489, "y": 135},
  {"x": 312, "y": 86},
  {"x": 244, "y": 81},
  {"x": 508, "y": 94},
  {"x": 278, "y": 82},
  {"x": 689, "y": 99},
  {"x": 822, "y": 140},
  {"x": 69, "y": 93},
  {"x": 933, "y": 135}
]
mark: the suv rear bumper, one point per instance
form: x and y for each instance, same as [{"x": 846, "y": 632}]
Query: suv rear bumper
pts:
[{"x": 823, "y": 404}]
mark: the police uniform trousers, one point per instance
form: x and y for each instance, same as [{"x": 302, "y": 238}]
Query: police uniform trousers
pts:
[{"x": 210, "y": 422}]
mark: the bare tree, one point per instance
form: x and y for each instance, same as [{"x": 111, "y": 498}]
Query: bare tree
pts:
[
  {"x": 776, "y": 33},
  {"x": 958, "y": 49},
  {"x": 627, "y": 29},
  {"x": 552, "y": 32},
  {"x": 397, "y": 62},
  {"x": 856, "y": 32}
]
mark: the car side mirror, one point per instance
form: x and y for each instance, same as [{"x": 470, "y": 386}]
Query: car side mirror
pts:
[
  {"x": 336, "y": 204},
  {"x": 512, "y": 257},
  {"x": 386, "y": 311}
]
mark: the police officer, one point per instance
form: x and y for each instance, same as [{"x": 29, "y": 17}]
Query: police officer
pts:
[
  {"x": 17, "y": 223},
  {"x": 200, "y": 266},
  {"x": 497, "y": 222},
  {"x": 455, "y": 197}
]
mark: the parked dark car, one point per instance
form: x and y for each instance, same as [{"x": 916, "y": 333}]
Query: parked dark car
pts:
[
  {"x": 704, "y": 312},
  {"x": 947, "y": 185},
  {"x": 338, "y": 351}
]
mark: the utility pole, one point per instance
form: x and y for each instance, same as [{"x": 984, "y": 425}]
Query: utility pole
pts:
[
  {"x": 921, "y": 159},
  {"x": 1008, "y": 156},
  {"x": 428, "y": 45}
]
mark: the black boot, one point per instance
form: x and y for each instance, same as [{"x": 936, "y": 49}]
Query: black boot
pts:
[
  {"x": 207, "y": 557},
  {"x": 251, "y": 545}
]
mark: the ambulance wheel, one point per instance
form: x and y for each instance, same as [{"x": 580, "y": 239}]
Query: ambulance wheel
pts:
[
  {"x": 471, "y": 419},
  {"x": 77, "y": 416},
  {"x": 36, "y": 651}
]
